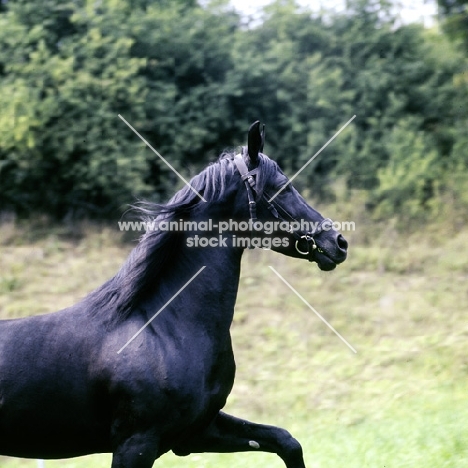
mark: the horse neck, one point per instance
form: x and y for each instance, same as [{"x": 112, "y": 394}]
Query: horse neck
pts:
[
  {"x": 222, "y": 261},
  {"x": 210, "y": 278}
]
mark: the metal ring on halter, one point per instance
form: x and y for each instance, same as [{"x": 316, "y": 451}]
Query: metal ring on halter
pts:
[{"x": 307, "y": 238}]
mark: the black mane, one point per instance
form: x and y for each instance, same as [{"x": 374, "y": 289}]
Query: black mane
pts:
[{"x": 145, "y": 264}]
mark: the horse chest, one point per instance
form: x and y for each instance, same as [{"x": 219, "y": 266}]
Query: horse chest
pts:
[
  {"x": 203, "y": 379},
  {"x": 176, "y": 382}
]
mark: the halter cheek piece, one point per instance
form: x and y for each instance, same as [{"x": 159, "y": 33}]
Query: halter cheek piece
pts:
[{"x": 250, "y": 184}]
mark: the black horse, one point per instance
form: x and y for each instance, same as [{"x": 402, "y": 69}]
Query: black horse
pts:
[{"x": 101, "y": 376}]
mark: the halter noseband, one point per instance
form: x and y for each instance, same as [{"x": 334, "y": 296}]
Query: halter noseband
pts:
[{"x": 250, "y": 185}]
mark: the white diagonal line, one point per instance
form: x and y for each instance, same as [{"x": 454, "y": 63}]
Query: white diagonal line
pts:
[
  {"x": 161, "y": 309},
  {"x": 313, "y": 310},
  {"x": 312, "y": 158},
  {"x": 163, "y": 160}
]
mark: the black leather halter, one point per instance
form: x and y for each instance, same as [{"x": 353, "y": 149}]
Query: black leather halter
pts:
[{"x": 250, "y": 185}]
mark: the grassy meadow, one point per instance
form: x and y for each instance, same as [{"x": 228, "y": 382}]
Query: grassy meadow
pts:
[{"x": 400, "y": 300}]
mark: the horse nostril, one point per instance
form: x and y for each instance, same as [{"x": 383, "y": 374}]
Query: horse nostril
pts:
[{"x": 342, "y": 243}]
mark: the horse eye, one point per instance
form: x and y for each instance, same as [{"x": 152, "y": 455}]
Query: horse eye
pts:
[
  {"x": 281, "y": 186},
  {"x": 285, "y": 187}
]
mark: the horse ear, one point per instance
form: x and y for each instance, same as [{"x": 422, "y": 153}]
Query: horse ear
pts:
[{"x": 255, "y": 141}]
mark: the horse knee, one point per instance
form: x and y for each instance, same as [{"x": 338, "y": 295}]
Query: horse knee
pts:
[{"x": 292, "y": 449}]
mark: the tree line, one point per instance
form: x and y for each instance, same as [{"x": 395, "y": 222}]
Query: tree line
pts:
[{"x": 190, "y": 78}]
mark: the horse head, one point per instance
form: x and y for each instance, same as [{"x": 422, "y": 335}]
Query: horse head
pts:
[{"x": 280, "y": 214}]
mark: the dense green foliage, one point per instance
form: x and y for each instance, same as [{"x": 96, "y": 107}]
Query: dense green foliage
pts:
[
  {"x": 455, "y": 16},
  {"x": 190, "y": 79}
]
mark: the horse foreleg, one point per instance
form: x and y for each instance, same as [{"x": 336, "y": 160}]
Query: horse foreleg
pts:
[
  {"x": 137, "y": 451},
  {"x": 229, "y": 434}
]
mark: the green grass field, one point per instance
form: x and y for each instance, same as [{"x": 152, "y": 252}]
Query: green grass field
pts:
[{"x": 400, "y": 300}]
